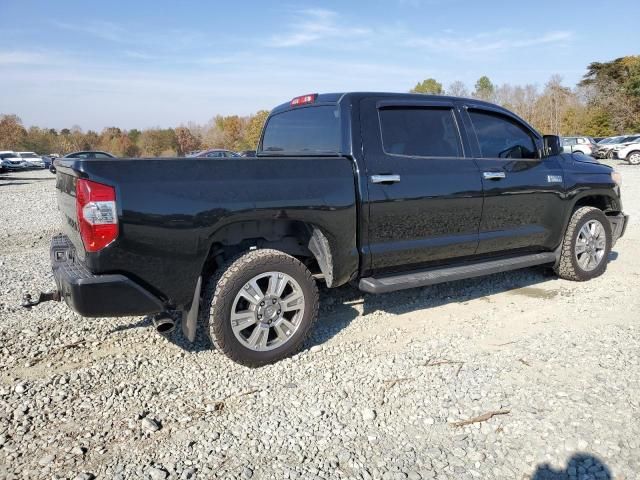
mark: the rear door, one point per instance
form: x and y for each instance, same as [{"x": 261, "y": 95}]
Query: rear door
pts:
[
  {"x": 523, "y": 203},
  {"x": 425, "y": 195}
]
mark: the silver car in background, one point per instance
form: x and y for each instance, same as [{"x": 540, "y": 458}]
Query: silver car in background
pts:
[
  {"x": 607, "y": 147},
  {"x": 11, "y": 161},
  {"x": 584, "y": 145},
  {"x": 32, "y": 159}
]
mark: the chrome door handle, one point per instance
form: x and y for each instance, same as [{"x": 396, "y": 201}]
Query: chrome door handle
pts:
[
  {"x": 385, "y": 178},
  {"x": 493, "y": 175}
]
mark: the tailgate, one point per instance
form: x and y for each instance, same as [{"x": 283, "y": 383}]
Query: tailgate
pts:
[{"x": 66, "y": 193}]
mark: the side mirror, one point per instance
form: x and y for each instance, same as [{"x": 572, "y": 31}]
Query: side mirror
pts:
[{"x": 551, "y": 145}]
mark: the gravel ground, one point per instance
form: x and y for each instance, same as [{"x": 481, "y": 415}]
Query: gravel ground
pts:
[{"x": 375, "y": 394}]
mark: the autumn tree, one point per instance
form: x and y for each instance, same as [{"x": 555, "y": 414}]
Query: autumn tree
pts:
[
  {"x": 158, "y": 142},
  {"x": 186, "y": 140},
  {"x": 12, "y": 133},
  {"x": 254, "y": 129},
  {"x": 429, "y": 86}
]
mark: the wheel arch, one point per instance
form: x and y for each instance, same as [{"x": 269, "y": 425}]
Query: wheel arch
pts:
[{"x": 303, "y": 240}]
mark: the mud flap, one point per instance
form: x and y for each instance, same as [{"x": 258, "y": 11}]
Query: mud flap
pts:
[{"x": 190, "y": 320}]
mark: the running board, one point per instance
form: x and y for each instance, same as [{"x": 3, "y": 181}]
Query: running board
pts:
[{"x": 449, "y": 274}]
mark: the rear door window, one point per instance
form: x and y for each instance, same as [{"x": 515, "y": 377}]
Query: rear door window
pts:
[
  {"x": 304, "y": 131},
  {"x": 420, "y": 132},
  {"x": 502, "y": 137}
]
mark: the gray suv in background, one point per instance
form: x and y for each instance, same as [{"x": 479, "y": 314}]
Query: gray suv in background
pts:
[{"x": 584, "y": 145}]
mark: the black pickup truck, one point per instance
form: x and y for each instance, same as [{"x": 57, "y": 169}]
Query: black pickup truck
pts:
[{"x": 387, "y": 191}]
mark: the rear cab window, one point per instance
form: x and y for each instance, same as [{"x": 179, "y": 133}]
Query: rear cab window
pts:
[{"x": 314, "y": 130}]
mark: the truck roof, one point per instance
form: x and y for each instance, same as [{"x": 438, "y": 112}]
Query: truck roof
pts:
[{"x": 335, "y": 98}]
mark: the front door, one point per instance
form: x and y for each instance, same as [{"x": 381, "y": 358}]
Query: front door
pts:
[
  {"x": 523, "y": 191},
  {"x": 425, "y": 195}
]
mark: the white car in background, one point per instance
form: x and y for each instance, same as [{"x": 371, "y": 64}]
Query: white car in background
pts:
[
  {"x": 10, "y": 160},
  {"x": 630, "y": 153},
  {"x": 33, "y": 160}
]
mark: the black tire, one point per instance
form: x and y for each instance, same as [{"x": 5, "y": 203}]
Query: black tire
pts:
[
  {"x": 636, "y": 157},
  {"x": 568, "y": 267},
  {"x": 220, "y": 292}
]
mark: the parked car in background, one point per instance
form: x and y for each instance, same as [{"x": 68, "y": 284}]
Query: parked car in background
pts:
[
  {"x": 33, "y": 160},
  {"x": 630, "y": 153},
  {"x": 607, "y": 150},
  {"x": 12, "y": 161},
  {"x": 216, "y": 153},
  {"x": 584, "y": 145},
  {"x": 247, "y": 153},
  {"x": 84, "y": 154}
]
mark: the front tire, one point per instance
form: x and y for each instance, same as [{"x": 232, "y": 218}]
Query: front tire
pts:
[
  {"x": 586, "y": 245},
  {"x": 260, "y": 307},
  {"x": 634, "y": 157}
]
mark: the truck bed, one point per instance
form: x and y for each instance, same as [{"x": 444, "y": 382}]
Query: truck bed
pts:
[{"x": 172, "y": 210}]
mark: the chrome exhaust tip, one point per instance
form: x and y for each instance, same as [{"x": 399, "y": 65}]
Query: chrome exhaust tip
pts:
[{"x": 164, "y": 323}]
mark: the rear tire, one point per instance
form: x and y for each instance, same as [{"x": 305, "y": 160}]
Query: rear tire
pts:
[
  {"x": 586, "y": 245},
  {"x": 260, "y": 307},
  {"x": 634, "y": 157}
]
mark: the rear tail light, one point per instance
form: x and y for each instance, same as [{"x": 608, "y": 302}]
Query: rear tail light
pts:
[{"x": 97, "y": 214}]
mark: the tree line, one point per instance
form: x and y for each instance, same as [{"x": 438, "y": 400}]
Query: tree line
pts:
[
  {"x": 605, "y": 102},
  {"x": 232, "y": 132}
]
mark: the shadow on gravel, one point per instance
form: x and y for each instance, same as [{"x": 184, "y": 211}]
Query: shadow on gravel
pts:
[
  {"x": 405, "y": 301},
  {"x": 14, "y": 183},
  {"x": 581, "y": 466},
  {"x": 23, "y": 179},
  {"x": 338, "y": 306}
]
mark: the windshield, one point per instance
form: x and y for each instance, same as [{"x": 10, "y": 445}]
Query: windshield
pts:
[{"x": 311, "y": 130}]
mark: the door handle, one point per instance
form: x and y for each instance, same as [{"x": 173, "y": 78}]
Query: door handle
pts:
[
  {"x": 493, "y": 175},
  {"x": 385, "y": 178}
]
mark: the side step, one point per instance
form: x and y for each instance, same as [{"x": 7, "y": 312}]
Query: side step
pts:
[{"x": 448, "y": 274}]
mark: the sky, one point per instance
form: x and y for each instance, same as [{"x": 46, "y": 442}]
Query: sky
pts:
[{"x": 141, "y": 64}]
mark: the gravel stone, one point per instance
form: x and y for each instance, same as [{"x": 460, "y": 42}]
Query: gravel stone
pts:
[
  {"x": 157, "y": 473},
  {"x": 368, "y": 415},
  {"x": 374, "y": 400},
  {"x": 150, "y": 425}
]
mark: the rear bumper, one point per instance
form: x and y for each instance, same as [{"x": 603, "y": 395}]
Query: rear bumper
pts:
[
  {"x": 90, "y": 295},
  {"x": 618, "y": 225}
]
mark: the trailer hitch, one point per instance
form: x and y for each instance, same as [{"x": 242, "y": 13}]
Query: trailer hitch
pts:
[{"x": 27, "y": 301}]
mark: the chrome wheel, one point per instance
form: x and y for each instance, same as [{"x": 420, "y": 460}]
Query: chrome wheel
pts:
[
  {"x": 267, "y": 311},
  {"x": 590, "y": 245}
]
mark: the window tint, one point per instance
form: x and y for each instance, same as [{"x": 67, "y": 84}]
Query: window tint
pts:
[
  {"x": 102, "y": 155},
  {"x": 501, "y": 137},
  {"x": 421, "y": 132},
  {"x": 311, "y": 130}
]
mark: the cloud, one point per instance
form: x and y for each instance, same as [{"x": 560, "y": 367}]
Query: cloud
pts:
[
  {"x": 167, "y": 40},
  {"x": 314, "y": 26},
  {"x": 501, "y": 40},
  {"x": 23, "y": 58}
]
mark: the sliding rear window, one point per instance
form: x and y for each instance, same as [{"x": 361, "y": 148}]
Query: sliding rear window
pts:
[{"x": 303, "y": 131}]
